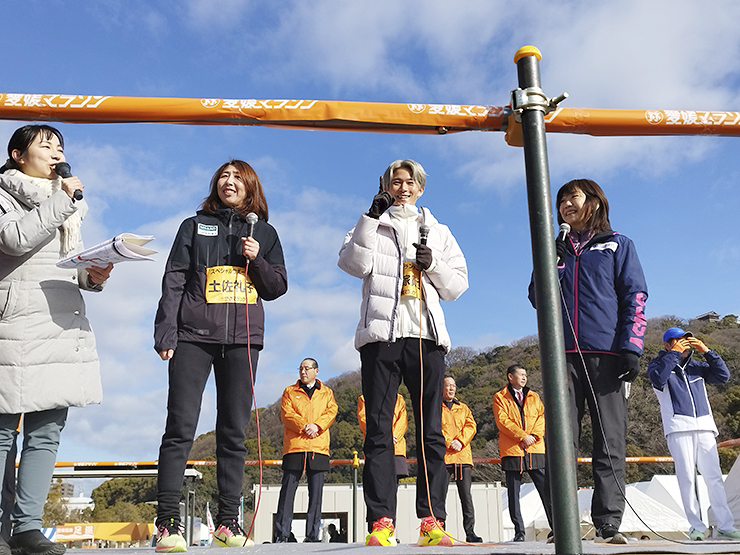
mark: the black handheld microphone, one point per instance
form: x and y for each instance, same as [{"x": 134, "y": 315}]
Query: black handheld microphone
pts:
[
  {"x": 251, "y": 220},
  {"x": 64, "y": 171},
  {"x": 423, "y": 234}
]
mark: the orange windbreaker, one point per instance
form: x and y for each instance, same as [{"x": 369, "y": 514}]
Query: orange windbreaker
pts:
[
  {"x": 509, "y": 422},
  {"x": 297, "y": 410},
  {"x": 458, "y": 423},
  {"x": 400, "y": 423}
]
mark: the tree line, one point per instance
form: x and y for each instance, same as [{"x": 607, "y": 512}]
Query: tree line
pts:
[{"x": 479, "y": 375}]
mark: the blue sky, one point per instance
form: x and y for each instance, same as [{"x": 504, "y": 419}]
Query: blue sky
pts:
[{"x": 676, "y": 197}]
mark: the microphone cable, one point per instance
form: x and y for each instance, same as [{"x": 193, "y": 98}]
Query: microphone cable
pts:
[
  {"x": 421, "y": 416},
  {"x": 254, "y": 402}
]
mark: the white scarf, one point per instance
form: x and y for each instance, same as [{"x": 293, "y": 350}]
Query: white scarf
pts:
[{"x": 70, "y": 236}]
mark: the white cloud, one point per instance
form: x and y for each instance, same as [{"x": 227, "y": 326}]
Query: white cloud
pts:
[{"x": 216, "y": 15}]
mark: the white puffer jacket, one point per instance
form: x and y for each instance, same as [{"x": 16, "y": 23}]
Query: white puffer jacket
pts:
[
  {"x": 47, "y": 349},
  {"x": 371, "y": 252}
]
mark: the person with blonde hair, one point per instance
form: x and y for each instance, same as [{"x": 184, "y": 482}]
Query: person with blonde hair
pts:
[{"x": 408, "y": 263}]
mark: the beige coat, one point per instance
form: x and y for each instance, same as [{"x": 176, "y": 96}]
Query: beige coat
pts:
[{"x": 47, "y": 349}]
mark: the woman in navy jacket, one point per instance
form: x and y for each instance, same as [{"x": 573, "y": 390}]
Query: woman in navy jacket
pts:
[
  {"x": 220, "y": 269},
  {"x": 604, "y": 294}
]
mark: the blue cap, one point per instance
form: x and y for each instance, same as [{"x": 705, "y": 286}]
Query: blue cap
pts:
[{"x": 675, "y": 333}]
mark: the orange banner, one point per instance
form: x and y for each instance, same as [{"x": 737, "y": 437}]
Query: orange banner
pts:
[
  {"x": 313, "y": 114},
  {"x": 642, "y": 122},
  {"x": 355, "y": 116}
]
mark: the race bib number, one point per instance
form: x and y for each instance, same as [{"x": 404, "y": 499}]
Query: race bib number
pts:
[
  {"x": 411, "y": 286},
  {"x": 229, "y": 284}
]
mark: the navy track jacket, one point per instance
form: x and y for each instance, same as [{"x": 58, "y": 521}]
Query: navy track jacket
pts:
[
  {"x": 605, "y": 292},
  {"x": 684, "y": 404}
]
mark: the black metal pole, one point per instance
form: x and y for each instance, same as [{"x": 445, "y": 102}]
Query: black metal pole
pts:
[{"x": 532, "y": 103}]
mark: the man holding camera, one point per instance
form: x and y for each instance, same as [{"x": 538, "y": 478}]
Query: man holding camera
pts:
[{"x": 688, "y": 424}]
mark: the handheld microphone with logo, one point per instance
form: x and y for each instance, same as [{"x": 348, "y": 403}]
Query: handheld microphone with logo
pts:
[
  {"x": 64, "y": 171},
  {"x": 423, "y": 234},
  {"x": 251, "y": 220}
]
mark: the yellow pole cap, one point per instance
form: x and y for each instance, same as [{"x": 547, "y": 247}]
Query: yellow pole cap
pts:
[{"x": 527, "y": 51}]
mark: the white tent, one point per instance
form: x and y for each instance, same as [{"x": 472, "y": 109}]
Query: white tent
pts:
[
  {"x": 656, "y": 516},
  {"x": 533, "y": 514},
  {"x": 663, "y": 519},
  {"x": 732, "y": 488}
]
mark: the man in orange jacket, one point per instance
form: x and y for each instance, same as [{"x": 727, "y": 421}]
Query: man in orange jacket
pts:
[
  {"x": 307, "y": 409},
  {"x": 400, "y": 425},
  {"x": 458, "y": 427},
  {"x": 520, "y": 418}
]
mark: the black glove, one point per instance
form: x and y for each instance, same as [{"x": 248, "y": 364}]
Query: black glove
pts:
[
  {"x": 561, "y": 247},
  {"x": 423, "y": 256},
  {"x": 380, "y": 204},
  {"x": 629, "y": 366}
]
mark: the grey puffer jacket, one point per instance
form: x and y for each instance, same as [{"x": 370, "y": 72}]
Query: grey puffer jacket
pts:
[{"x": 47, "y": 348}]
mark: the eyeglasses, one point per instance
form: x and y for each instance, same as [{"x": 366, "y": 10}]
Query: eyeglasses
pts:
[{"x": 306, "y": 368}]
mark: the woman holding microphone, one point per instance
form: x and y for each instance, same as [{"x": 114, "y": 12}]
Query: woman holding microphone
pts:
[
  {"x": 604, "y": 293},
  {"x": 48, "y": 360},
  {"x": 225, "y": 261}
]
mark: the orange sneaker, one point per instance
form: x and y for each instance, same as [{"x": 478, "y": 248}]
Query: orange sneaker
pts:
[
  {"x": 432, "y": 532},
  {"x": 382, "y": 533}
]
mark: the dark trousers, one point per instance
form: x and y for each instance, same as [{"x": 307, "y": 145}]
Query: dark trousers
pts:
[
  {"x": 188, "y": 373},
  {"x": 284, "y": 516},
  {"x": 513, "y": 484},
  {"x": 463, "y": 478},
  {"x": 383, "y": 367},
  {"x": 608, "y": 412}
]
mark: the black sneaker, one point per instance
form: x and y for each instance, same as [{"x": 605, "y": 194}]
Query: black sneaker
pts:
[
  {"x": 34, "y": 542},
  {"x": 608, "y": 533}
]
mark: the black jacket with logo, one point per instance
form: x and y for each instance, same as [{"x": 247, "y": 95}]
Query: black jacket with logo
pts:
[{"x": 207, "y": 247}]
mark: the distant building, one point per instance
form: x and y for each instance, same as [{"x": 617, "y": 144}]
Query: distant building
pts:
[
  {"x": 67, "y": 489},
  {"x": 708, "y": 317},
  {"x": 79, "y": 503}
]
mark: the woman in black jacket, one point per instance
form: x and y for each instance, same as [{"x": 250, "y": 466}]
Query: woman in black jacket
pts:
[{"x": 220, "y": 269}]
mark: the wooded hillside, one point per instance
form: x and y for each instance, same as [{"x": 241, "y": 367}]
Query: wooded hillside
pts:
[{"x": 479, "y": 374}]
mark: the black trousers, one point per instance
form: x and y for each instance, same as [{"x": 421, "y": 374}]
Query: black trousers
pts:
[
  {"x": 513, "y": 484},
  {"x": 188, "y": 373},
  {"x": 463, "y": 476},
  {"x": 284, "y": 515},
  {"x": 383, "y": 367},
  {"x": 608, "y": 410}
]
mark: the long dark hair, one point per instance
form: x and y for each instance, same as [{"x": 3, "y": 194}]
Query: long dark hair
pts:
[
  {"x": 255, "y": 200},
  {"x": 596, "y": 204},
  {"x": 22, "y": 139}
]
